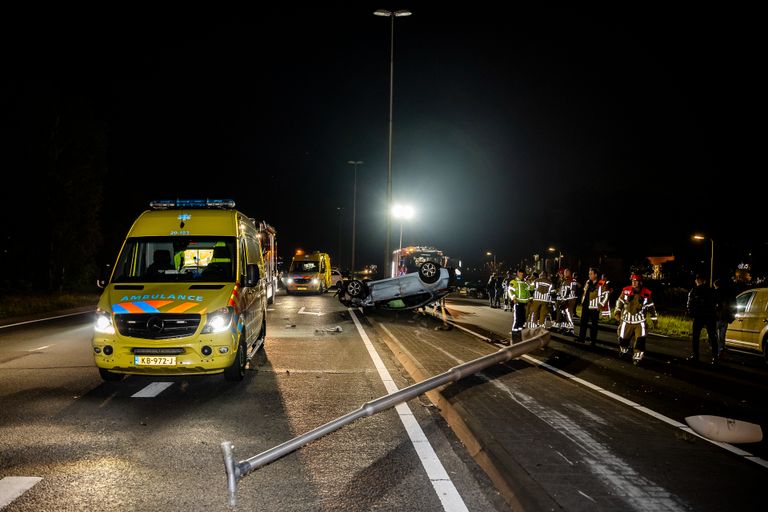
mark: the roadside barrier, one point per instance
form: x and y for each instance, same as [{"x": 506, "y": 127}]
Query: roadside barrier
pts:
[{"x": 237, "y": 470}]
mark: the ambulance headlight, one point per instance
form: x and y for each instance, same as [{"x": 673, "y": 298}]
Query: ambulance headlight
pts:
[
  {"x": 218, "y": 321},
  {"x": 104, "y": 323},
  {"x": 289, "y": 280},
  {"x": 315, "y": 281}
]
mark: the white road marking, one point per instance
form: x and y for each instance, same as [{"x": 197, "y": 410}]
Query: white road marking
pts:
[
  {"x": 645, "y": 410},
  {"x": 630, "y": 403},
  {"x": 11, "y": 487},
  {"x": 44, "y": 319},
  {"x": 639, "y": 492},
  {"x": 152, "y": 390},
  {"x": 40, "y": 348},
  {"x": 316, "y": 313},
  {"x": 441, "y": 482}
]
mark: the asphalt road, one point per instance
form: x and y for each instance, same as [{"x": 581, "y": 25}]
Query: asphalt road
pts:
[
  {"x": 568, "y": 427},
  {"x": 96, "y": 446}
]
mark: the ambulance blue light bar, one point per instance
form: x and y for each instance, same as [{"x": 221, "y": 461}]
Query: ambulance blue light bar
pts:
[{"x": 166, "y": 204}]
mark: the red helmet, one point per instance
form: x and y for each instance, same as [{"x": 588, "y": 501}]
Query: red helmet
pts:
[{"x": 635, "y": 277}]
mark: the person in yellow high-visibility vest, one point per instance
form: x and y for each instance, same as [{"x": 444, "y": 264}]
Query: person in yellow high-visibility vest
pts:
[{"x": 519, "y": 293}]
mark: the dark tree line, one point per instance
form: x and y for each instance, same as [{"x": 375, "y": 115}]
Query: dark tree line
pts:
[{"x": 55, "y": 162}]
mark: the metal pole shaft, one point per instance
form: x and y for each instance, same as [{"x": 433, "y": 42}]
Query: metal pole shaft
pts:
[
  {"x": 400, "y": 251},
  {"x": 237, "y": 470},
  {"x": 354, "y": 210},
  {"x": 712, "y": 263},
  {"x": 389, "y": 145}
]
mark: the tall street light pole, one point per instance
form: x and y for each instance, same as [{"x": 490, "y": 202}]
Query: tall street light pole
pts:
[
  {"x": 711, "y": 256},
  {"x": 339, "y": 210},
  {"x": 354, "y": 210},
  {"x": 392, "y": 15}
]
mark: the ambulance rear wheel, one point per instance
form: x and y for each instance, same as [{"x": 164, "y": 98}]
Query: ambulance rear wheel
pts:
[
  {"x": 236, "y": 370},
  {"x": 110, "y": 376}
]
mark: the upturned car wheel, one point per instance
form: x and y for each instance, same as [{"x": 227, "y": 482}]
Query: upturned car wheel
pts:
[
  {"x": 355, "y": 288},
  {"x": 429, "y": 272}
]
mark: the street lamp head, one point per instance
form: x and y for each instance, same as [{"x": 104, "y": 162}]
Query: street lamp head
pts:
[
  {"x": 355, "y": 162},
  {"x": 699, "y": 237},
  {"x": 488, "y": 253},
  {"x": 551, "y": 249},
  {"x": 396, "y": 14},
  {"x": 400, "y": 211}
]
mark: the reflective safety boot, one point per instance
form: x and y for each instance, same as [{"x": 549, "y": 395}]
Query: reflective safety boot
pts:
[{"x": 637, "y": 357}]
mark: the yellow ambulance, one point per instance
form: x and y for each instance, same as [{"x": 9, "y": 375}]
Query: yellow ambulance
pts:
[
  {"x": 309, "y": 273},
  {"x": 186, "y": 296}
]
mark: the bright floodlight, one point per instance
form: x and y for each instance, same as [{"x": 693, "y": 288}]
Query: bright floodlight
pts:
[
  {"x": 400, "y": 211},
  {"x": 699, "y": 237}
]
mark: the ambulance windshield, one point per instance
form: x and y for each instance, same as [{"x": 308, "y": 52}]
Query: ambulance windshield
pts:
[{"x": 176, "y": 259}]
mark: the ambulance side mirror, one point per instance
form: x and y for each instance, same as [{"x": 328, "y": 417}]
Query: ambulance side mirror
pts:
[
  {"x": 101, "y": 282},
  {"x": 252, "y": 275}
]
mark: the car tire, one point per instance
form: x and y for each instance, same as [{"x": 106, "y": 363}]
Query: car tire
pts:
[
  {"x": 355, "y": 288},
  {"x": 429, "y": 272}
]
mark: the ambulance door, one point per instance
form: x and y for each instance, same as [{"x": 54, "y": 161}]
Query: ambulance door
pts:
[{"x": 258, "y": 292}]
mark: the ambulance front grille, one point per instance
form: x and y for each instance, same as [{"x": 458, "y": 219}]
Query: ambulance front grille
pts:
[{"x": 157, "y": 326}]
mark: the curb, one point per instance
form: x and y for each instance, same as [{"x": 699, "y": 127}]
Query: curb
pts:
[{"x": 513, "y": 494}]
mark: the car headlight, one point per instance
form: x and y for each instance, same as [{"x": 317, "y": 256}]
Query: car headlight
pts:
[
  {"x": 104, "y": 323},
  {"x": 218, "y": 321},
  {"x": 315, "y": 281},
  {"x": 289, "y": 280}
]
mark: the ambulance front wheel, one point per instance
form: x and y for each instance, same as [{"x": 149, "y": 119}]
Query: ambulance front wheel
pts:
[{"x": 236, "y": 370}]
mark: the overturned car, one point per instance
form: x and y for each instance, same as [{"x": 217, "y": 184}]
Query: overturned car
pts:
[{"x": 429, "y": 284}]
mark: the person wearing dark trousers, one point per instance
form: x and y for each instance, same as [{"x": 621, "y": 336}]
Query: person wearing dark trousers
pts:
[
  {"x": 590, "y": 308},
  {"x": 633, "y": 307},
  {"x": 519, "y": 294},
  {"x": 491, "y": 288},
  {"x": 726, "y": 312},
  {"x": 702, "y": 306}
]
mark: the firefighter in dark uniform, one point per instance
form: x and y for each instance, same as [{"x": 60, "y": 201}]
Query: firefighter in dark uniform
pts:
[
  {"x": 633, "y": 306},
  {"x": 542, "y": 289}
]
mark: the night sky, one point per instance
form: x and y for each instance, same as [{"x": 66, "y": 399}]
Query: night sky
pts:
[{"x": 614, "y": 131}]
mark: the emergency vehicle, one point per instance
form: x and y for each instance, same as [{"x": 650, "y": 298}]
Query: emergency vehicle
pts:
[
  {"x": 309, "y": 273},
  {"x": 187, "y": 295}
]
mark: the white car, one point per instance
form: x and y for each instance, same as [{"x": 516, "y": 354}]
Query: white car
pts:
[
  {"x": 336, "y": 278},
  {"x": 431, "y": 283}
]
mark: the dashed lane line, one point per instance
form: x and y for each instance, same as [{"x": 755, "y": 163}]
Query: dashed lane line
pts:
[
  {"x": 152, "y": 390},
  {"x": 11, "y": 487}
]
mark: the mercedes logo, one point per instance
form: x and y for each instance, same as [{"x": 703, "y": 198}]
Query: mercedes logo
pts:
[{"x": 155, "y": 324}]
